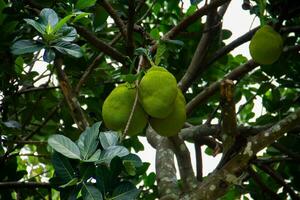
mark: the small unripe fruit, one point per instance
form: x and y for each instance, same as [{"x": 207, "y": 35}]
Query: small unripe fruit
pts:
[
  {"x": 157, "y": 92},
  {"x": 266, "y": 45},
  {"x": 117, "y": 108}
]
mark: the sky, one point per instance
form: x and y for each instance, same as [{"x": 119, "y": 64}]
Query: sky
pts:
[{"x": 238, "y": 21}]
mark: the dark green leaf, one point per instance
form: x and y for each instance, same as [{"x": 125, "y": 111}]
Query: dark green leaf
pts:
[
  {"x": 25, "y": 46},
  {"x": 125, "y": 191},
  {"x": 19, "y": 62},
  {"x": 95, "y": 157},
  {"x": 67, "y": 34},
  {"x": 69, "y": 49},
  {"x": 160, "y": 52},
  {"x": 72, "y": 182},
  {"x": 108, "y": 139},
  {"x": 137, "y": 162},
  {"x": 88, "y": 141},
  {"x": 39, "y": 27},
  {"x": 82, "y": 4},
  {"x": 108, "y": 154},
  {"x": 63, "y": 167},
  {"x": 150, "y": 179},
  {"x": 129, "y": 167},
  {"x": 65, "y": 146},
  {"x": 90, "y": 192},
  {"x": 49, "y": 55}
]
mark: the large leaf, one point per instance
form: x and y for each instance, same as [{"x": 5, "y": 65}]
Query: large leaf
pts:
[
  {"x": 108, "y": 154},
  {"x": 39, "y": 27},
  {"x": 90, "y": 192},
  {"x": 125, "y": 191},
  {"x": 25, "y": 46},
  {"x": 68, "y": 48},
  {"x": 65, "y": 146},
  {"x": 67, "y": 34},
  {"x": 49, "y": 17},
  {"x": 63, "y": 167},
  {"x": 108, "y": 139},
  {"x": 62, "y": 22},
  {"x": 49, "y": 55},
  {"x": 88, "y": 140},
  {"x": 81, "y": 4}
]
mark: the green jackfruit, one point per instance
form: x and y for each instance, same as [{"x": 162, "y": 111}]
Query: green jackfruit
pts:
[
  {"x": 157, "y": 92},
  {"x": 266, "y": 45},
  {"x": 174, "y": 122},
  {"x": 117, "y": 108}
]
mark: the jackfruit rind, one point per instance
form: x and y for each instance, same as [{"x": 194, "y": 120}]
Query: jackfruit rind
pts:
[
  {"x": 266, "y": 45},
  {"x": 157, "y": 92},
  {"x": 174, "y": 122},
  {"x": 117, "y": 108}
]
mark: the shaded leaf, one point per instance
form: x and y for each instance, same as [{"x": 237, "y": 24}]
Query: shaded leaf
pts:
[
  {"x": 65, "y": 146},
  {"x": 63, "y": 167},
  {"x": 49, "y": 55},
  {"x": 72, "y": 182},
  {"x": 68, "y": 48},
  {"x": 39, "y": 27},
  {"x": 90, "y": 192},
  {"x": 108, "y": 139},
  {"x": 82, "y": 4},
  {"x": 108, "y": 154},
  {"x": 25, "y": 46}
]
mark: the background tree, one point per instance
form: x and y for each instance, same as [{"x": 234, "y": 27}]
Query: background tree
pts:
[{"x": 90, "y": 46}]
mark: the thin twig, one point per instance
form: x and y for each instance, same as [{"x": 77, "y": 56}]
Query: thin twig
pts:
[
  {"x": 113, "y": 13},
  {"x": 93, "y": 65},
  {"x": 141, "y": 62},
  {"x": 130, "y": 25},
  {"x": 99, "y": 44}
]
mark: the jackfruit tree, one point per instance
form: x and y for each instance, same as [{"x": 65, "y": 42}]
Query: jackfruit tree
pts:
[{"x": 86, "y": 87}]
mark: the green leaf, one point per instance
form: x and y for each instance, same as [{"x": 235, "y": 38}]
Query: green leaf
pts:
[
  {"x": 88, "y": 141},
  {"x": 72, "y": 182},
  {"x": 90, "y": 192},
  {"x": 129, "y": 167},
  {"x": 108, "y": 139},
  {"x": 95, "y": 157},
  {"x": 154, "y": 33},
  {"x": 161, "y": 49},
  {"x": 67, "y": 34},
  {"x": 39, "y": 27},
  {"x": 80, "y": 15},
  {"x": 49, "y": 55},
  {"x": 137, "y": 162},
  {"x": 125, "y": 191},
  {"x": 19, "y": 62},
  {"x": 62, "y": 22},
  {"x": 150, "y": 179},
  {"x": 63, "y": 167},
  {"x": 65, "y": 146},
  {"x": 48, "y": 17},
  {"x": 108, "y": 154},
  {"x": 82, "y": 4},
  {"x": 25, "y": 46},
  {"x": 68, "y": 48}
]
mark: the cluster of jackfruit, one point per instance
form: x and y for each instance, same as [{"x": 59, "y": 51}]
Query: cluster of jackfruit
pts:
[{"x": 160, "y": 102}]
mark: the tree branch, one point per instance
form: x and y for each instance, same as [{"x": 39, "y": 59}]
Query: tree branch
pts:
[
  {"x": 262, "y": 185},
  {"x": 100, "y": 45},
  {"x": 199, "y": 165},
  {"x": 30, "y": 185},
  {"x": 199, "y": 56},
  {"x": 216, "y": 184},
  {"x": 115, "y": 17},
  {"x": 279, "y": 180},
  {"x": 93, "y": 65},
  {"x": 192, "y": 18},
  {"x": 235, "y": 74},
  {"x": 130, "y": 25},
  {"x": 184, "y": 163},
  {"x": 74, "y": 106}
]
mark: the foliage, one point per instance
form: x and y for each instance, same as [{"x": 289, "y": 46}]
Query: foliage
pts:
[{"x": 40, "y": 138}]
